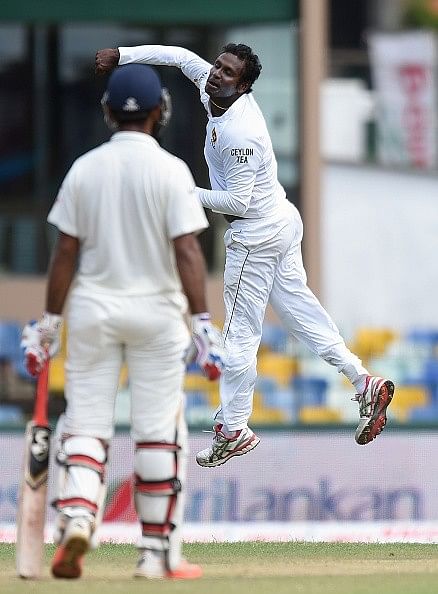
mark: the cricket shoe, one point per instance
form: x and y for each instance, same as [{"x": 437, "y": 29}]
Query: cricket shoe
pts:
[
  {"x": 223, "y": 448},
  {"x": 373, "y": 403},
  {"x": 151, "y": 565},
  {"x": 74, "y": 543}
]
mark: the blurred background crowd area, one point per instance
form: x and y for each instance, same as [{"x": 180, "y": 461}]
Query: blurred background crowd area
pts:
[
  {"x": 293, "y": 386},
  {"x": 349, "y": 91}
]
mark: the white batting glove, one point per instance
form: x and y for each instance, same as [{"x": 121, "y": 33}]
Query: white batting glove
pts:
[
  {"x": 207, "y": 346},
  {"x": 34, "y": 354},
  {"x": 40, "y": 340},
  {"x": 49, "y": 328}
]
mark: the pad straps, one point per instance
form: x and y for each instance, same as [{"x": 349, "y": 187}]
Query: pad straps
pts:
[{"x": 169, "y": 487}]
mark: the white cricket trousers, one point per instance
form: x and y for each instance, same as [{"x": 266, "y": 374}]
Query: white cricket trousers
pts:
[
  {"x": 150, "y": 334},
  {"x": 264, "y": 263}
]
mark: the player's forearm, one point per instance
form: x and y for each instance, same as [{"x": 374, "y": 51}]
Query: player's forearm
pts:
[
  {"x": 157, "y": 55},
  {"x": 61, "y": 273},
  {"x": 166, "y": 55},
  {"x": 223, "y": 201},
  {"x": 191, "y": 268}
]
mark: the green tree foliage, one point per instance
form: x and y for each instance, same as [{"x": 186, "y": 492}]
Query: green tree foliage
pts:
[{"x": 422, "y": 14}]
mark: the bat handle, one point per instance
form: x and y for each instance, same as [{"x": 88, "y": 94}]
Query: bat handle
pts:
[{"x": 40, "y": 416}]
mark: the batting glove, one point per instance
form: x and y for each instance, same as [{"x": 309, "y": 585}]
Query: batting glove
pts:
[
  {"x": 40, "y": 340},
  {"x": 207, "y": 346},
  {"x": 34, "y": 354},
  {"x": 49, "y": 328}
]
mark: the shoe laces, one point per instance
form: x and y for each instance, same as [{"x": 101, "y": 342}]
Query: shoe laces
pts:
[
  {"x": 364, "y": 404},
  {"x": 218, "y": 433}
]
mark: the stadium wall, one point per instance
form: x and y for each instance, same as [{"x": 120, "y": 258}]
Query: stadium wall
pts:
[
  {"x": 378, "y": 251},
  {"x": 378, "y": 247},
  {"x": 309, "y": 484},
  {"x": 22, "y": 298}
]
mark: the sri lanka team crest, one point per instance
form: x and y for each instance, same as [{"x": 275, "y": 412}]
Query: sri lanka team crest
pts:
[{"x": 213, "y": 138}]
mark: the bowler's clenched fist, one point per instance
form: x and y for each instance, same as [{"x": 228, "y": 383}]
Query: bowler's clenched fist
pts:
[{"x": 106, "y": 60}]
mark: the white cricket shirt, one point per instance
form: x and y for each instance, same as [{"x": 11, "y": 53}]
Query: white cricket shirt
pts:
[
  {"x": 238, "y": 148},
  {"x": 126, "y": 200}
]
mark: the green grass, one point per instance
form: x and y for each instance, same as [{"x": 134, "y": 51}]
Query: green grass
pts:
[{"x": 257, "y": 568}]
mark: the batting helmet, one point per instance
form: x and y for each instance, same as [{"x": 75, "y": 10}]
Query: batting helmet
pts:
[{"x": 133, "y": 90}]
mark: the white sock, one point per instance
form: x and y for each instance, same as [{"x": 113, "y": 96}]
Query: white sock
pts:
[
  {"x": 229, "y": 433},
  {"x": 360, "y": 384}
]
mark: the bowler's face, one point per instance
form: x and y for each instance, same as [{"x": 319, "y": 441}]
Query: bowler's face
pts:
[{"x": 224, "y": 77}]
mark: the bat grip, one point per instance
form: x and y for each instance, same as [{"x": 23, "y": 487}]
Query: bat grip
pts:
[{"x": 40, "y": 414}]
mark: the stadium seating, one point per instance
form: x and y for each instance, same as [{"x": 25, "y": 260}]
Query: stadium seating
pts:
[
  {"x": 279, "y": 366},
  {"x": 262, "y": 414},
  {"x": 423, "y": 336},
  {"x": 319, "y": 414},
  {"x": 426, "y": 414},
  {"x": 293, "y": 385},
  {"x": 406, "y": 399},
  {"x": 369, "y": 342},
  {"x": 56, "y": 373},
  {"x": 10, "y": 337},
  {"x": 10, "y": 353},
  {"x": 430, "y": 377},
  {"x": 122, "y": 409},
  {"x": 308, "y": 392},
  {"x": 11, "y": 414},
  {"x": 274, "y": 338},
  {"x": 281, "y": 399}
]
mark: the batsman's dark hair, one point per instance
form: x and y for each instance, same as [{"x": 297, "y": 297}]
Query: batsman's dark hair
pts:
[
  {"x": 252, "y": 63},
  {"x": 122, "y": 116}
]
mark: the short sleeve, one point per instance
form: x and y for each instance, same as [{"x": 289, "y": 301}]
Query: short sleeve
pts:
[
  {"x": 63, "y": 213},
  {"x": 184, "y": 210}
]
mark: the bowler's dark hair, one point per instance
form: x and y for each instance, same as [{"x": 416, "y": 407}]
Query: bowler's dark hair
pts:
[{"x": 252, "y": 63}]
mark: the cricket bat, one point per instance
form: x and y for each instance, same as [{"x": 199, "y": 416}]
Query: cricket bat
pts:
[{"x": 33, "y": 488}]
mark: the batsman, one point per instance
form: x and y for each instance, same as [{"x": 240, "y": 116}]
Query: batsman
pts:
[{"x": 130, "y": 263}]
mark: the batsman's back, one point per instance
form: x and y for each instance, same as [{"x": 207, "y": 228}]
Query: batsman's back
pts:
[{"x": 127, "y": 199}]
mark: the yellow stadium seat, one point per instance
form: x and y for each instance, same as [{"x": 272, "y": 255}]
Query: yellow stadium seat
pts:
[
  {"x": 195, "y": 382},
  {"x": 56, "y": 374},
  {"x": 257, "y": 402},
  {"x": 213, "y": 395},
  {"x": 56, "y": 370},
  {"x": 278, "y": 366},
  {"x": 319, "y": 414},
  {"x": 405, "y": 399},
  {"x": 123, "y": 377},
  {"x": 372, "y": 342},
  {"x": 268, "y": 416},
  {"x": 262, "y": 414},
  {"x": 199, "y": 383},
  {"x": 63, "y": 349}
]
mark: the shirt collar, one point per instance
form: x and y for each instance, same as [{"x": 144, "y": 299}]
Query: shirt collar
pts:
[
  {"x": 234, "y": 109},
  {"x": 131, "y": 135}
]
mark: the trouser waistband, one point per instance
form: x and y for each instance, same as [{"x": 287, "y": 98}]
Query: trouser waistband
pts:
[{"x": 231, "y": 218}]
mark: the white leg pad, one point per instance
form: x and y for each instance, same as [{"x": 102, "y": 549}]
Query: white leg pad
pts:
[
  {"x": 157, "y": 488},
  {"x": 82, "y": 461}
]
